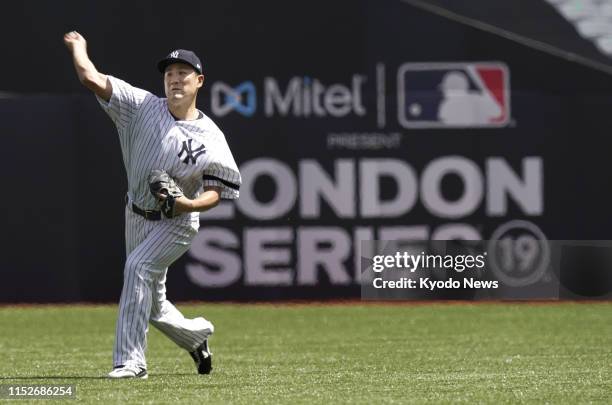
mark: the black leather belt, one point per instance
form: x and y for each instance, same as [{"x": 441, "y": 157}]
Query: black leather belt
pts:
[{"x": 151, "y": 215}]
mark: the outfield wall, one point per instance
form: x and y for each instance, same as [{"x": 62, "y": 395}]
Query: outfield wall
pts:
[{"x": 347, "y": 124}]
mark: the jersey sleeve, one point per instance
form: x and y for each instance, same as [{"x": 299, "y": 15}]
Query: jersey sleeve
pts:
[
  {"x": 223, "y": 172},
  {"x": 124, "y": 102}
]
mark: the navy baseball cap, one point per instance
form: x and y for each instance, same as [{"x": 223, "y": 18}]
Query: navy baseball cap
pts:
[{"x": 181, "y": 56}]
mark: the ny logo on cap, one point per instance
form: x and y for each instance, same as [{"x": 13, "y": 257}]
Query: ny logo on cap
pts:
[{"x": 174, "y": 54}]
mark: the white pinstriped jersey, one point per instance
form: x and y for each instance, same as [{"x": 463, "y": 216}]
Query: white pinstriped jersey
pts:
[{"x": 195, "y": 153}]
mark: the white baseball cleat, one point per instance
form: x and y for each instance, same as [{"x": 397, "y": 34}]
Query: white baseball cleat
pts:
[{"x": 128, "y": 372}]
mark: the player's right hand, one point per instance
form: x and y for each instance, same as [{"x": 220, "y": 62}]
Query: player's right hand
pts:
[{"x": 74, "y": 40}]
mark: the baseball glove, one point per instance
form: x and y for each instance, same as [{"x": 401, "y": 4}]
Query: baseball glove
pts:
[{"x": 160, "y": 183}]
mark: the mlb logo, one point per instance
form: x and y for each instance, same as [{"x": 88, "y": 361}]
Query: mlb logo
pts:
[{"x": 453, "y": 95}]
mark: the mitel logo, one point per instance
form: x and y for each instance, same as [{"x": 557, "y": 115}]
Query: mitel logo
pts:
[
  {"x": 242, "y": 99},
  {"x": 299, "y": 97},
  {"x": 304, "y": 97},
  {"x": 453, "y": 95}
]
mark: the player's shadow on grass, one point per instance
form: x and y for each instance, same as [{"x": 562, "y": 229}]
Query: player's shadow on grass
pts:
[
  {"x": 56, "y": 377},
  {"x": 80, "y": 377}
]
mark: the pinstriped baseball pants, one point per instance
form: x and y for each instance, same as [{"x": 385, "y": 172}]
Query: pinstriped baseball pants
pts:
[{"x": 151, "y": 247}]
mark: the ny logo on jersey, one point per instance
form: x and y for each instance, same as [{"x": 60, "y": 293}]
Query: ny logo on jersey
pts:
[
  {"x": 174, "y": 54},
  {"x": 191, "y": 154}
]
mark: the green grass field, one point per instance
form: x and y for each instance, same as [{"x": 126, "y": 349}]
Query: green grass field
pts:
[{"x": 434, "y": 353}]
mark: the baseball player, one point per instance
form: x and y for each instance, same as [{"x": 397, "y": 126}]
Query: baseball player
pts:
[{"x": 178, "y": 164}]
